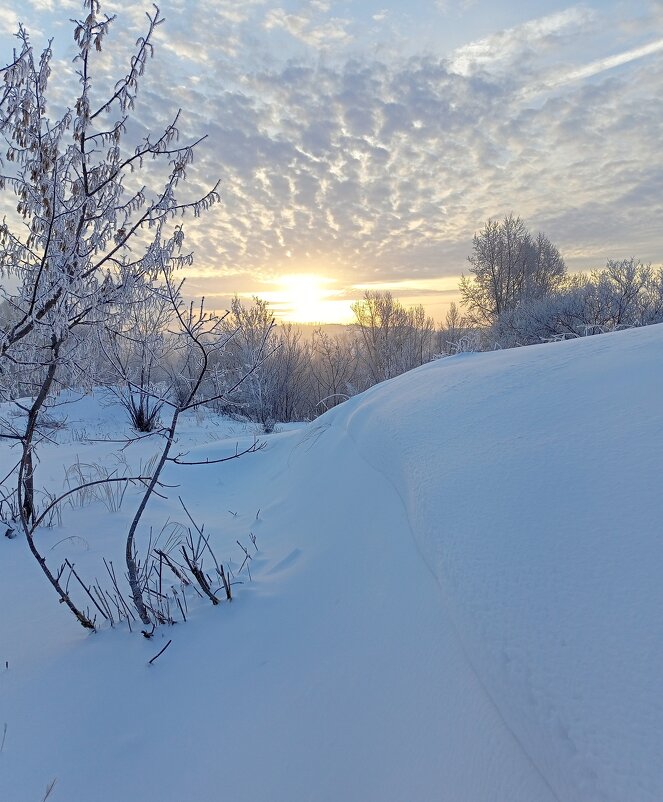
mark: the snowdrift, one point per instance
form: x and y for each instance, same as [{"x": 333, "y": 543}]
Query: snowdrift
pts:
[{"x": 456, "y": 596}]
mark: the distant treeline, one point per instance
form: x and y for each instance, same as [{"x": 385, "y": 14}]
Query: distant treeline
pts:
[{"x": 517, "y": 292}]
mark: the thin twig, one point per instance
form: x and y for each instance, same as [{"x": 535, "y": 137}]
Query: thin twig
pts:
[
  {"x": 160, "y": 652},
  {"x": 49, "y": 789},
  {"x": 226, "y": 584},
  {"x": 200, "y": 577},
  {"x": 85, "y": 588},
  {"x": 172, "y": 566}
]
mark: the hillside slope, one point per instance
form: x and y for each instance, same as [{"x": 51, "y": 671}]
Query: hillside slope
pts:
[{"x": 456, "y": 597}]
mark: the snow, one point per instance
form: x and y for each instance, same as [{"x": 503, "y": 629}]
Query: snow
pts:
[{"x": 456, "y": 596}]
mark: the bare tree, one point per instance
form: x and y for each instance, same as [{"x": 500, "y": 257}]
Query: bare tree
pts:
[
  {"x": 333, "y": 364},
  {"x": 394, "y": 339},
  {"x": 290, "y": 385},
  {"x": 458, "y": 334},
  {"x": 252, "y": 329},
  {"x": 206, "y": 335}
]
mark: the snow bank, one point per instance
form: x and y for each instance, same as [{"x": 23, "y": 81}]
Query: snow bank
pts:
[{"x": 456, "y": 596}]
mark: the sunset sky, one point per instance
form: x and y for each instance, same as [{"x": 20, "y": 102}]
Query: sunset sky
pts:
[{"x": 360, "y": 144}]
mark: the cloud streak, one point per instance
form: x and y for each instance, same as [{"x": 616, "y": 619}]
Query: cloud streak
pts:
[{"x": 608, "y": 63}]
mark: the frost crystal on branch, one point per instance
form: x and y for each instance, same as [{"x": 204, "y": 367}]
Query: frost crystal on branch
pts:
[{"x": 69, "y": 258}]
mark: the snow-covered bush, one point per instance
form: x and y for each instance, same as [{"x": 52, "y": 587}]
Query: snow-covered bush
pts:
[{"x": 625, "y": 294}]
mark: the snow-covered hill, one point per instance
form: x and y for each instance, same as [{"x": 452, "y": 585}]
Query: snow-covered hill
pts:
[{"x": 457, "y": 596}]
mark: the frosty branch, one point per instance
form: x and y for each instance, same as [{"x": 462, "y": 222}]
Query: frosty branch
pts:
[{"x": 68, "y": 254}]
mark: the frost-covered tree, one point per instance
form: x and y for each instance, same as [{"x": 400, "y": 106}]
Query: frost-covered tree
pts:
[
  {"x": 333, "y": 364},
  {"x": 135, "y": 348},
  {"x": 507, "y": 267},
  {"x": 457, "y": 335},
  {"x": 87, "y": 233},
  {"x": 289, "y": 364},
  {"x": 251, "y": 341},
  {"x": 393, "y": 338}
]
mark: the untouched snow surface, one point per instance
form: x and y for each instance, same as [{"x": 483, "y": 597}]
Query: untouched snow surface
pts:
[{"x": 457, "y": 596}]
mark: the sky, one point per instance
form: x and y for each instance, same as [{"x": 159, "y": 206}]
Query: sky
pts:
[{"x": 360, "y": 144}]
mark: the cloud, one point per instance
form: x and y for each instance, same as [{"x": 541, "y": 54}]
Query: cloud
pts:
[
  {"x": 370, "y": 168},
  {"x": 378, "y": 170},
  {"x": 459, "y": 7},
  {"x": 507, "y": 46},
  {"x": 308, "y": 27},
  {"x": 8, "y": 21}
]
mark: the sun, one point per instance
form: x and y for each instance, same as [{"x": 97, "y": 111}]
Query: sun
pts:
[{"x": 309, "y": 298}]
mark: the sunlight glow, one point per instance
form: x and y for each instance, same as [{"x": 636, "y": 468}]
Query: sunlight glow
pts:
[{"x": 308, "y": 298}]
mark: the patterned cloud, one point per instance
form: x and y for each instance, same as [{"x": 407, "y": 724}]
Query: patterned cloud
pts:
[{"x": 340, "y": 155}]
